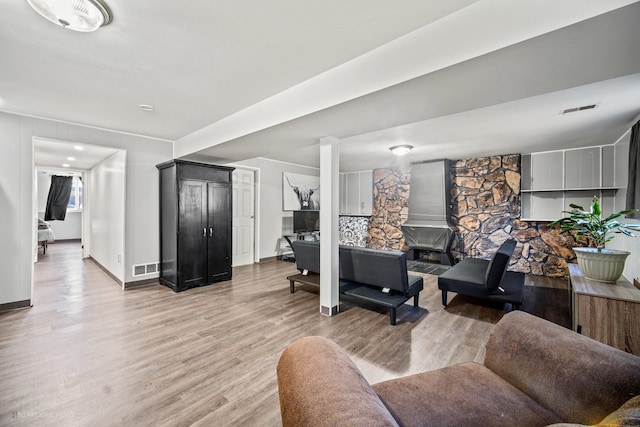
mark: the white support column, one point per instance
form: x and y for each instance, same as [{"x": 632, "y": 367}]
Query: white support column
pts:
[{"x": 329, "y": 200}]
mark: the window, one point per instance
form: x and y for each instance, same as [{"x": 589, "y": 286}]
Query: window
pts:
[{"x": 75, "y": 201}]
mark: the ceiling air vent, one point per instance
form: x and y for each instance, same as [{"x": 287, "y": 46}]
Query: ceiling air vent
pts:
[{"x": 576, "y": 109}]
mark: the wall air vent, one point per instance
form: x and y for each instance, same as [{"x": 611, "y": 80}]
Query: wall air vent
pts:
[
  {"x": 144, "y": 269},
  {"x": 576, "y": 109}
]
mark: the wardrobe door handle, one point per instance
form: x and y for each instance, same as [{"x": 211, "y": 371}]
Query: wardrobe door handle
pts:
[
  {"x": 210, "y": 231},
  {"x": 204, "y": 232}
]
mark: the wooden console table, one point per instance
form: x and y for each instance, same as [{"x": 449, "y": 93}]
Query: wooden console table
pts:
[{"x": 607, "y": 312}]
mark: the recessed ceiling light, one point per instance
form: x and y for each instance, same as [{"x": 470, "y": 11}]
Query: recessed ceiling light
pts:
[
  {"x": 401, "y": 150},
  {"x": 145, "y": 107},
  {"x": 65, "y": 165},
  {"x": 78, "y": 147},
  {"x": 71, "y": 159}
]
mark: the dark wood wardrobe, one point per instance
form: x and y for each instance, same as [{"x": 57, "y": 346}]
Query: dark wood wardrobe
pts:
[{"x": 195, "y": 224}]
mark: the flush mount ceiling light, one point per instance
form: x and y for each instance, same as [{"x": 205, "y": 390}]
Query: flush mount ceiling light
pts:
[
  {"x": 77, "y": 15},
  {"x": 401, "y": 150}
]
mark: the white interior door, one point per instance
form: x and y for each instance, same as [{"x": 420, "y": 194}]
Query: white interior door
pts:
[{"x": 243, "y": 217}]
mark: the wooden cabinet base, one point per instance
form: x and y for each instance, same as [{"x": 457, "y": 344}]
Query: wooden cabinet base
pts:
[
  {"x": 606, "y": 312},
  {"x": 177, "y": 288}
]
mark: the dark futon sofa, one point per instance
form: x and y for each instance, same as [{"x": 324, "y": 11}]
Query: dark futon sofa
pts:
[
  {"x": 487, "y": 279},
  {"x": 372, "y": 275}
]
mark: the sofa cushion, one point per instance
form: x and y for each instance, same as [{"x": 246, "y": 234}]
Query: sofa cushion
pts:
[
  {"x": 375, "y": 295},
  {"x": 498, "y": 265},
  {"x": 466, "y": 277},
  {"x": 347, "y": 267},
  {"x": 467, "y": 394},
  {"x": 380, "y": 268},
  {"x": 307, "y": 255}
]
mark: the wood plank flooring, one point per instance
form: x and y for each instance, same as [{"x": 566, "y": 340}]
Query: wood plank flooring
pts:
[{"x": 90, "y": 354}]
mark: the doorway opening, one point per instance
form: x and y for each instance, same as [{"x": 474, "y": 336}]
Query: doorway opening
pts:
[
  {"x": 67, "y": 230},
  {"x": 93, "y": 226}
]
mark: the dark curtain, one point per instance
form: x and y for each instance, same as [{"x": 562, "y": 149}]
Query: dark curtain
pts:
[
  {"x": 633, "y": 186},
  {"x": 58, "y": 199}
]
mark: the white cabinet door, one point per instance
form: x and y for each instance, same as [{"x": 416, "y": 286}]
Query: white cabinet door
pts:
[
  {"x": 366, "y": 192},
  {"x": 608, "y": 166},
  {"x": 582, "y": 168},
  {"x": 525, "y": 170},
  {"x": 547, "y": 170},
  {"x": 353, "y": 193},
  {"x": 356, "y": 193},
  {"x": 343, "y": 194}
]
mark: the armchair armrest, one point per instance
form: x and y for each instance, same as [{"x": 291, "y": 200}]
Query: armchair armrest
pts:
[{"x": 319, "y": 385}]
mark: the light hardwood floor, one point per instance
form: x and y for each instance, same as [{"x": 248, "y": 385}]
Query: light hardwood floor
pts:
[{"x": 89, "y": 354}]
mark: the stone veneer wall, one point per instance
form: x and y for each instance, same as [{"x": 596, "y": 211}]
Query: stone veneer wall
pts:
[
  {"x": 486, "y": 210},
  {"x": 390, "y": 209}
]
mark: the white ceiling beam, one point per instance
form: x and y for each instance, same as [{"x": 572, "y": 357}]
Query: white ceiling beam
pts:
[{"x": 481, "y": 28}]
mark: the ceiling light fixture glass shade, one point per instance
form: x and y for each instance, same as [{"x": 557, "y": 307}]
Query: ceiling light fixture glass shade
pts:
[
  {"x": 401, "y": 150},
  {"x": 77, "y": 15}
]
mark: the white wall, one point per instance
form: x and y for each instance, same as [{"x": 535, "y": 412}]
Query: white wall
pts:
[
  {"x": 107, "y": 189},
  {"x": 270, "y": 211},
  {"x": 71, "y": 227},
  {"x": 632, "y": 245},
  {"x": 17, "y": 225}
]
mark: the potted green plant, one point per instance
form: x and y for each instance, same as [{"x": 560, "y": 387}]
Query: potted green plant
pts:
[{"x": 603, "y": 265}]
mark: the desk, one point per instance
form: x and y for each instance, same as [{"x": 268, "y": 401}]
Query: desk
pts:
[{"x": 607, "y": 312}]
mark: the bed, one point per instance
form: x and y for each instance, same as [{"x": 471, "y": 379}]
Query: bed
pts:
[{"x": 45, "y": 234}]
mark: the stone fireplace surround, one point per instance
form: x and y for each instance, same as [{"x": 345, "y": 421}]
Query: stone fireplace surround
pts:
[{"x": 485, "y": 196}]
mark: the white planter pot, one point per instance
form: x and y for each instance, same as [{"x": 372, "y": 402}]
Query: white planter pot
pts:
[{"x": 605, "y": 265}]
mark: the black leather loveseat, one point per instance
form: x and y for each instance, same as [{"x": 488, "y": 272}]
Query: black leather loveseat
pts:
[{"x": 372, "y": 275}]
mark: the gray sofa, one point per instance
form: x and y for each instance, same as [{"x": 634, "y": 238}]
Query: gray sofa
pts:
[
  {"x": 372, "y": 275},
  {"x": 535, "y": 373}
]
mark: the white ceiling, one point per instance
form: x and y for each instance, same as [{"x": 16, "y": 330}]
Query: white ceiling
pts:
[
  {"x": 236, "y": 80},
  {"x": 50, "y": 154}
]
